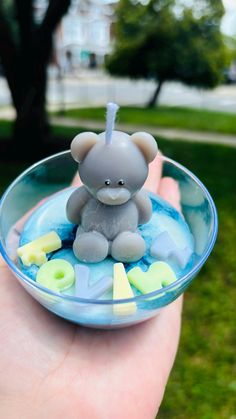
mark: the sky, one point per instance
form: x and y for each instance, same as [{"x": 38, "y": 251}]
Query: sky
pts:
[{"x": 228, "y": 25}]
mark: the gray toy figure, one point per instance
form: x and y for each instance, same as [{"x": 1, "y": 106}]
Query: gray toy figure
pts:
[{"x": 113, "y": 167}]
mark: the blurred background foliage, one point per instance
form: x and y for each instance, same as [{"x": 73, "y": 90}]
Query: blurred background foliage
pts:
[{"x": 156, "y": 41}]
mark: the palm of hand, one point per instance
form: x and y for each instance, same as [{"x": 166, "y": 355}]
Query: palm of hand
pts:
[{"x": 49, "y": 365}]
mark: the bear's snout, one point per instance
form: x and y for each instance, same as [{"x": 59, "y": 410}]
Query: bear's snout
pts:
[{"x": 113, "y": 196}]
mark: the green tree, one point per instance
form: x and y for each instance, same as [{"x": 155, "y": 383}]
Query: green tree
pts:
[
  {"x": 25, "y": 50},
  {"x": 163, "y": 40}
]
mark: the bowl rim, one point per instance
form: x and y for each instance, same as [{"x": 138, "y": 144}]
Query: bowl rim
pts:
[{"x": 182, "y": 280}]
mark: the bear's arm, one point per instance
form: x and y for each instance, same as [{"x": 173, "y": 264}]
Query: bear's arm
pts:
[
  {"x": 144, "y": 206},
  {"x": 76, "y": 203}
]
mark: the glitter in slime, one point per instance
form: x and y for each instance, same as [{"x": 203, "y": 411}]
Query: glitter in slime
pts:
[{"x": 161, "y": 223}]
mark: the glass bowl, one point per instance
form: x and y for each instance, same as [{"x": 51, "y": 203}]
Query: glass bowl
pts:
[{"x": 54, "y": 174}]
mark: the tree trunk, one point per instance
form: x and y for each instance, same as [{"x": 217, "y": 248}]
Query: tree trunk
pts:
[
  {"x": 154, "y": 98},
  {"x": 31, "y": 132},
  {"x": 25, "y": 64},
  {"x": 31, "y": 128}
]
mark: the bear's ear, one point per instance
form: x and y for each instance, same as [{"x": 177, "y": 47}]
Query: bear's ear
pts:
[
  {"x": 81, "y": 145},
  {"x": 146, "y": 144}
]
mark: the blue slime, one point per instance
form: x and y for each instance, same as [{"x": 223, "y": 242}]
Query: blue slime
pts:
[{"x": 51, "y": 216}]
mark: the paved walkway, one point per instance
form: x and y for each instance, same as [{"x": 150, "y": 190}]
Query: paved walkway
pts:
[
  {"x": 95, "y": 88},
  {"x": 170, "y": 133}
]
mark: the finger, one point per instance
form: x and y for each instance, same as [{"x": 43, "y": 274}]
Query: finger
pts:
[
  {"x": 168, "y": 326},
  {"x": 77, "y": 181},
  {"x": 169, "y": 190},
  {"x": 154, "y": 175},
  {"x": 141, "y": 357},
  {"x": 2, "y": 262}
]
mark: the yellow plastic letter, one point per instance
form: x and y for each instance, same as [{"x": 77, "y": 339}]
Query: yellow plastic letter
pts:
[
  {"x": 122, "y": 289},
  {"x": 158, "y": 276},
  {"x": 35, "y": 251},
  {"x": 56, "y": 274}
]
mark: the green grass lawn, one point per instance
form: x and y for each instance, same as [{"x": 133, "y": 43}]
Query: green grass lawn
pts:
[
  {"x": 5, "y": 128},
  {"x": 165, "y": 116},
  {"x": 203, "y": 381},
  {"x": 58, "y": 131}
]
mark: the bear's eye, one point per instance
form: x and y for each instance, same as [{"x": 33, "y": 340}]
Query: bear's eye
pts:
[
  {"x": 121, "y": 182},
  {"x": 107, "y": 182}
]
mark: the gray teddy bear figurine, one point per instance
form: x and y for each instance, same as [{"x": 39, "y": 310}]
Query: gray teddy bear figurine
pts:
[{"x": 111, "y": 204}]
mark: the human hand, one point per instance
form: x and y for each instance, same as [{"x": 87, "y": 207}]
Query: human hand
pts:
[{"x": 54, "y": 369}]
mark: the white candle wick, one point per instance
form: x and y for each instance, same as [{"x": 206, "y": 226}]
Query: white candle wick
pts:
[{"x": 112, "y": 109}]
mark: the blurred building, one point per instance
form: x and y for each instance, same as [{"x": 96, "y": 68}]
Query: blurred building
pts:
[
  {"x": 85, "y": 33},
  {"x": 228, "y": 24}
]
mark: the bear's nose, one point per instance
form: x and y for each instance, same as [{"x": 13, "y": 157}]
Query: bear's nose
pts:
[
  {"x": 114, "y": 193},
  {"x": 113, "y": 196}
]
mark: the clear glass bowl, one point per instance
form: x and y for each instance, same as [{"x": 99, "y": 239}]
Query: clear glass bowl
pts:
[{"x": 55, "y": 173}]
